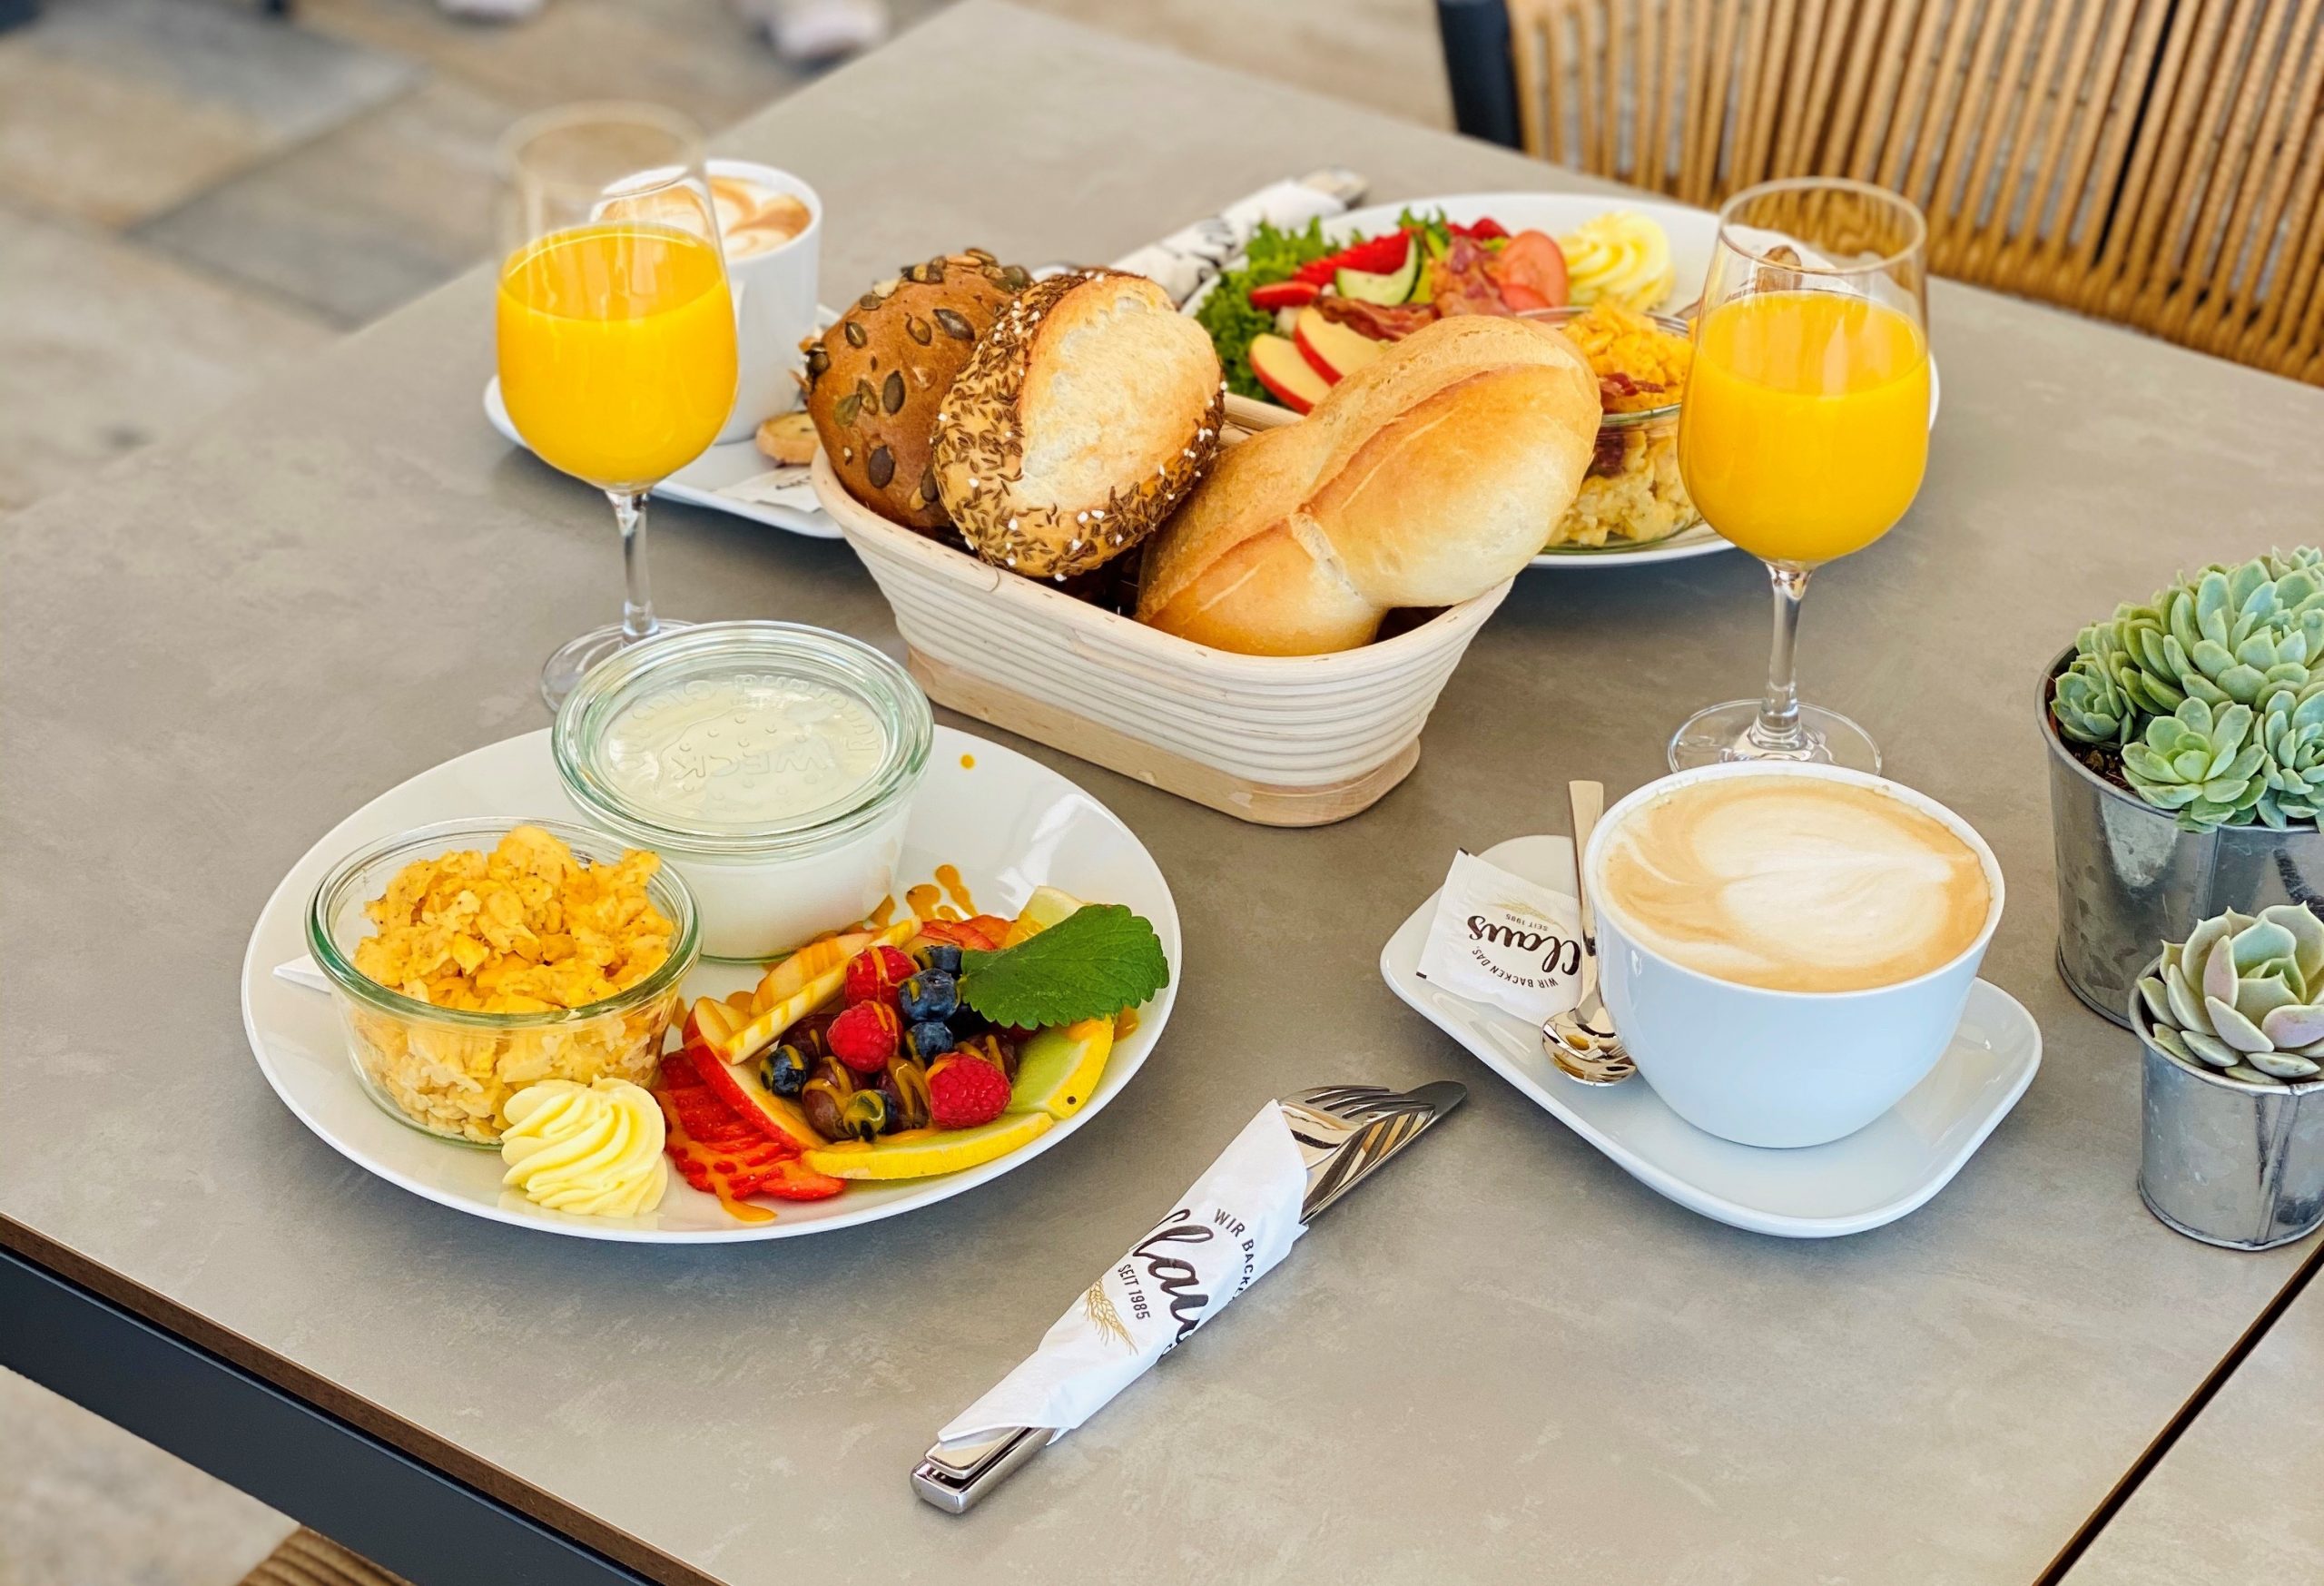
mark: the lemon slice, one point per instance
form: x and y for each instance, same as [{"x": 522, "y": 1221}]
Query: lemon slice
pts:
[
  {"x": 1059, "y": 1068},
  {"x": 922, "y": 1152}
]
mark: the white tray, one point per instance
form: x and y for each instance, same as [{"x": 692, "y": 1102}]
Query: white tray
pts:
[
  {"x": 1010, "y": 824},
  {"x": 1885, "y": 1170}
]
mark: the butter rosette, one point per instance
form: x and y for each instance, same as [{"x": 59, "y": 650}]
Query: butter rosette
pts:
[
  {"x": 594, "y": 1149},
  {"x": 1226, "y": 1232}
]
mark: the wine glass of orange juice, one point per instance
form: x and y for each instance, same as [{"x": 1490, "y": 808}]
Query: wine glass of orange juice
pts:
[
  {"x": 1804, "y": 432},
  {"x": 614, "y": 325}
]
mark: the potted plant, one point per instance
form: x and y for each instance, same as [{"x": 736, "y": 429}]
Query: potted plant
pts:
[
  {"x": 2232, "y": 1022},
  {"x": 2186, "y": 764}
]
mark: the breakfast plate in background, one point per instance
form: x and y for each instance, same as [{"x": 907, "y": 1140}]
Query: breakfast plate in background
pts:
[
  {"x": 1007, "y": 823},
  {"x": 1883, "y": 1171},
  {"x": 1691, "y": 234}
]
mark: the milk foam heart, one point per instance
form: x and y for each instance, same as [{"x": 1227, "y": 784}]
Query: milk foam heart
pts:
[{"x": 1794, "y": 884}]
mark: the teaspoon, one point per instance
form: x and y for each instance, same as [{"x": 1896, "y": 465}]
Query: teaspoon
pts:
[{"x": 1583, "y": 1042}]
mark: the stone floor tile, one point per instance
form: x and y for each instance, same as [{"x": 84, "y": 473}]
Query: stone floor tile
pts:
[
  {"x": 697, "y": 55},
  {"x": 361, "y": 220},
  {"x": 77, "y": 139},
  {"x": 104, "y": 346},
  {"x": 288, "y": 80},
  {"x": 84, "y": 1504}
]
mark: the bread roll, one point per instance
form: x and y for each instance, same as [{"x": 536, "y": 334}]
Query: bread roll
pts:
[
  {"x": 1085, "y": 415},
  {"x": 1423, "y": 478},
  {"x": 877, "y": 378}
]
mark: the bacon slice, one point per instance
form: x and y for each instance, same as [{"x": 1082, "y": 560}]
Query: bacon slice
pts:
[
  {"x": 1462, "y": 283},
  {"x": 1381, "y": 322}
]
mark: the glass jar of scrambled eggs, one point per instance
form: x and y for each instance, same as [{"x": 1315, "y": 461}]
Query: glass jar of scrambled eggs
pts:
[{"x": 474, "y": 958}]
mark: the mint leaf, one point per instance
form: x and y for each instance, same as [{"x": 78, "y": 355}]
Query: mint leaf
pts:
[{"x": 1093, "y": 963}]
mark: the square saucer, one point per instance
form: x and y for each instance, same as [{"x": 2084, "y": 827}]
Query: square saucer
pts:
[{"x": 1888, "y": 1169}]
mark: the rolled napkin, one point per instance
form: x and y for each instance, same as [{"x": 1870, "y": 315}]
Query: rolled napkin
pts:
[
  {"x": 1239, "y": 1219},
  {"x": 1185, "y": 259}
]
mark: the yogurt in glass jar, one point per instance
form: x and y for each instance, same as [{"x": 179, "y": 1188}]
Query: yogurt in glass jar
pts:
[{"x": 771, "y": 765}]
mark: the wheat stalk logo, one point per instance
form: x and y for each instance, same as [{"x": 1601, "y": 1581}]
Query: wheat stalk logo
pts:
[{"x": 1103, "y": 1316}]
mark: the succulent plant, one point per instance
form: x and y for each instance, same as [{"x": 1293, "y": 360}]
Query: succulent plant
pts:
[
  {"x": 2244, "y": 995},
  {"x": 2211, "y": 692}
]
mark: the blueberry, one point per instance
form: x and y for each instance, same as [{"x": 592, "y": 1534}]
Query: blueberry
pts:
[
  {"x": 786, "y": 1068},
  {"x": 939, "y": 955},
  {"x": 928, "y": 1040},
  {"x": 930, "y": 994}
]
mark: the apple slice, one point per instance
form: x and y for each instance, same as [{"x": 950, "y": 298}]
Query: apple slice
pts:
[
  {"x": 737, "y": 1083},
  {"x": 785, "y": 996},
  {"x": 1335, "y": 350},
  {"x": 1285, "y": 372}
]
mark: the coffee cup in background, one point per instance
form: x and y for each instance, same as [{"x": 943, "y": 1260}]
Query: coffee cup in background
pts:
[
  {"x": 1787, "y": 948},
  {"x": 771, "y": 225}
]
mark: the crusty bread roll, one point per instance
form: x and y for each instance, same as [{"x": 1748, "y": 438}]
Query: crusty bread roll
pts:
[
  {"x": 1424, "y": 478},
  {"x": 1085, "y": 415},
  {"x": 877, "y": 377}
]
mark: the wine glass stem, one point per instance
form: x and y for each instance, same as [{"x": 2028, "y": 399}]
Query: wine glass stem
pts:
[
  {"x": 1778, "y": 730},
  {"x": 638, "y": 597}
]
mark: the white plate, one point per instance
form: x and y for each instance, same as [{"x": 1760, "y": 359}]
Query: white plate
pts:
[
  {"x": 1888, "y": 1169},
  {"x": 1009, "y": 823},
  {"x": 713, "y": 478},
  {"x": 1692, "y": 232}
]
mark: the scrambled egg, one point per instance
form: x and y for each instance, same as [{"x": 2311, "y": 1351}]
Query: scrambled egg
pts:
[{"x": 525, "y": 930}]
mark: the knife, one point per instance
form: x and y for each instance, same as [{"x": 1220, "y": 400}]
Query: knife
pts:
[{"x": 1344, "y": 1132}]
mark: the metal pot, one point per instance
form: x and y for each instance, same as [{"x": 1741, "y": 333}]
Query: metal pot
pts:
[
  {"x": 2224, "y": 1161},
  {"x": 2130, "y": 880}
]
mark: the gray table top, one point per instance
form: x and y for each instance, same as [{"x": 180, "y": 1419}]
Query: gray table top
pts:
[
  {"x": 2234, "y": 1500},
  {"x": 1505, "y": 1360}
]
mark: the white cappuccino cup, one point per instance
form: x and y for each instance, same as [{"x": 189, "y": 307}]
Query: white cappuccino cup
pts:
[
  {"x": 1857, "y": 920},
  {"x": 772, "y": 280}
]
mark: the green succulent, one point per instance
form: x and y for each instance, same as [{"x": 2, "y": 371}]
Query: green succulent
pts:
[
  {"x": 2243, "y": 995},
  {"x": 2090, "y": 706},
  {"x": 2211, "y": 692},
  {"x": 2203, "y": 764}
]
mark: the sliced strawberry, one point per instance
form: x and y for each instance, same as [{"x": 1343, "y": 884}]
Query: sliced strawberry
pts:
[{"x": 794, "y": 1180}]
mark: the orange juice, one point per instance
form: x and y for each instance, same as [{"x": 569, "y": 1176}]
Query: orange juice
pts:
[
  {"x": 1805, "y": 431},
  {"x": 616, "y": 349}
]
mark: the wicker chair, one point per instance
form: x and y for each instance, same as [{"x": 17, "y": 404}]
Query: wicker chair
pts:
[{"x": 2152, "y": 162}]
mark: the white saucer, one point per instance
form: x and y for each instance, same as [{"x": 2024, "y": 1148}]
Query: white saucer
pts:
[
  {"x": 1010, "y": 824},
  {"x": 735, "y": 476},
  {"x": 1885, "y": 1170}
]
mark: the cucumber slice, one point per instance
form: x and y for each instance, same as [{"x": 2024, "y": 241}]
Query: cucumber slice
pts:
[{"x": 1386, "y": 288}]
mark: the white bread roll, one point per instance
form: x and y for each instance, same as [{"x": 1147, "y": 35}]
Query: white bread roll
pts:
[
  {"x": 1423, "y": 480},
  {"x": 1083, "y": 416}
]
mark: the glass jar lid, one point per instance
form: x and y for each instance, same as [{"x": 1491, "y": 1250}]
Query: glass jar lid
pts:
[{"x": 742, "y": 739}]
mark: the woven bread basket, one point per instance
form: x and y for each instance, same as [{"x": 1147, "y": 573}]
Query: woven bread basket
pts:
[{"x": 1281, "y": 741}]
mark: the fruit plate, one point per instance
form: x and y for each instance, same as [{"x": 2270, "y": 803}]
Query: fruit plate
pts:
[
  {"x": 1692, "y": 232},
  {"x": 1891, "y": 1167},
  {"x": 735, "y": 477},
  {"x": 1009, "y": 823}
]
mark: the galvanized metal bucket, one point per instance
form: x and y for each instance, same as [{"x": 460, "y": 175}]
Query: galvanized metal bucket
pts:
[
  {"x": 2128, "y": 878},
  {"x": 2223, "y": 1161}
]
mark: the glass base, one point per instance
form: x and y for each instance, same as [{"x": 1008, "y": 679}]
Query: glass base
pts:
[
  {"x": 576, "y": 656},
  {"x": 1721, "y": 735}
]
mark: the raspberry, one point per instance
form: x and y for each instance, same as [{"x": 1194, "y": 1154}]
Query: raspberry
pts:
[
  {"x": 965, "y": 1091},
  {"x": 873, "y": 974},
  {"x": 864, "y": 1037}
]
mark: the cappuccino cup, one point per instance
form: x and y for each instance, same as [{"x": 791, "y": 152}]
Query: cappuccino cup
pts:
[
  {"x": 1787, "y": 948},
  {"x": 771, "y": 227}
]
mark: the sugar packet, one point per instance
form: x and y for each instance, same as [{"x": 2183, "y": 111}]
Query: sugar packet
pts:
[{"x": 1500, "y": 938}]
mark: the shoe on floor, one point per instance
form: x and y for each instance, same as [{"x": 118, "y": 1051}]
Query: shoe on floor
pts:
[{"x": 491, "y": 10}]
